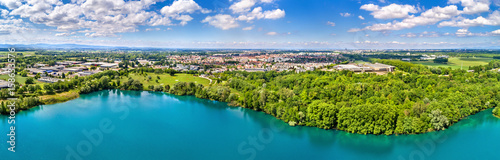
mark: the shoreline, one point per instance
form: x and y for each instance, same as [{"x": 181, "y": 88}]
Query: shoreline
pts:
[{"x": 53, "y": 99}]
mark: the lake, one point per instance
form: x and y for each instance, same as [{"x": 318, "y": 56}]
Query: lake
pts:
[{"x": 130, "y": 125}]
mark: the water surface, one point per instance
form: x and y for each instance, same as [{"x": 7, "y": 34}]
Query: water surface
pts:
[{"x": 149, "y": 125}]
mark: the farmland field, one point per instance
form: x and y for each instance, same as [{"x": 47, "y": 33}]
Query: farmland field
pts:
[
  {"x": 20, "y": 79},
  {"x": 458, "y": 62},
  {"x": 5, "y": 53}
]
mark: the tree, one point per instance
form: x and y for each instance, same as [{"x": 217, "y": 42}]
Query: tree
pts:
[
  {"x": 171, "y": 72},
  {"x": 31, "y": 88},
  {"x": 441, "y": 60},
  {"x": 48, "y": 88},
  {"x": 167, "y": 88},
  {"x": 23, "y": 74},
  {"x": 438, "y": 121},
  {"x": 30, "y": 80},
  {"x": 37, "y": 76},
  {"x": 496, "y": 111}
]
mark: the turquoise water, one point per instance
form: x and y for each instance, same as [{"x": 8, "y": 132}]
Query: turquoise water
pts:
[{"x": 146, "y": 125}]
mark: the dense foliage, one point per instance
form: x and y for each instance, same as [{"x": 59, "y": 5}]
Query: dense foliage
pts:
[
  {"x": 495, "y": 64},
  {"x": 441, "y": 60},
  {"x": 412, "y": 100},
  {"x": 496, "y": 111},
  {"x": 20, "y": 104}
]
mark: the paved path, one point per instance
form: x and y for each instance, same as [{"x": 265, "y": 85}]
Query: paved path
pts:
[{"x": 206, "y": 78}]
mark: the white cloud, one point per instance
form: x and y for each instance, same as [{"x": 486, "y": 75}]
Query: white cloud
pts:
[
  {"x": 271, "y": 33},
  {"x": 409, "y": 35},
  {"x": 242, "y": 6},
  {"x": 11, "y": 4},
  {"x": 462, "y": 32},
  {"x": 274, "y": 14},
  {"x": 345, "y": 14},
  {"x": 105, "y": 17},
  {"x": 354, "y": 30},
  {"x": 422, "y": 34},
  {"x": 222, "y": 21},
  {"x": 152, "y": 29},
  {"x": 473, "y": 6},
  {"x": 182, "y": 6},
  {"x": 391, "y": 11},
  {"x": 361, "y": 17},
  {"x": 184, "y": 19},
  {"x": 248, "y": 28},
  {"x": 330, "y": 23},
  {"x": 431, "y": 16},
  {"x": 65, "y": 34},
  {"x": 179, "y": 10},
  {"x": 496, "y": 32},
  {"x": 243, "y": 11},
  {"x": 4, "y": 13},
  {"x": 9, "y": 26},
  {"x": 492, "y": 20},
  {"x": 257, "y": 14},
  {"x": 158, "y": 20}
]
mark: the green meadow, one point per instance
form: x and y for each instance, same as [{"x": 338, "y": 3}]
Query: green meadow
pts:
[{"x": 457, "y": 62}]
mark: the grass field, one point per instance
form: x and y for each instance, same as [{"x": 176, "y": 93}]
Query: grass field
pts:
[
  {"x": 5, "y": 53},
  {"x": 21, "y": 80},
  {"x": 457, "y": 62},
  {"x": 59, "y": 97},
  {"x": 166, "y": 79}
]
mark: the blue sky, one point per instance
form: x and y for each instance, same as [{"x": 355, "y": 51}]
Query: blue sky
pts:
[{"x": 292, "y": 24}]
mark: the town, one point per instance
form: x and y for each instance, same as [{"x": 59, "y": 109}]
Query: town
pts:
[{"x": 204, "y": 64}]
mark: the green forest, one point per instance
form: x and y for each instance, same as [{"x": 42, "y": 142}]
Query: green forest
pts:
[{"x": 415, "y": 99}]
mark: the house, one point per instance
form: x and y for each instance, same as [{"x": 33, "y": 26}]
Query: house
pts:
[
  {"x": 256, "y": 70},
  {"x": 56, "y": 73},
  {"x": 5, "y": 71},
  {"x": 194, "y": 67},
  {"x": 73, "y": 69},
  {"x": 381, "y": 67},
  {"x": 34, "y": 70},
  {"x": 144, "y": 62},
  {"x": 59, "y": 67},
  {"x": 299, "y": 70},
  {"x": 352, "y": 67},
  {"x": 40, "y": 65},
  {"x": 49, "y": 80},
  {"x": 4, "y": 84},
  {"x": 85, "y": 73},
  {"x": 109, "y": 65},
  {"x": 47, "y": 69}
]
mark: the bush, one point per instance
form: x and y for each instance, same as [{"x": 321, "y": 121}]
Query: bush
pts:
[
  {"x": 30, "y": 81},
  {"x": 496, "y": 111}
]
